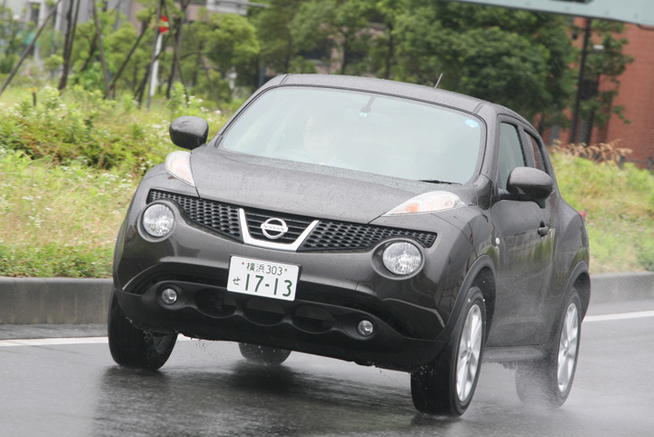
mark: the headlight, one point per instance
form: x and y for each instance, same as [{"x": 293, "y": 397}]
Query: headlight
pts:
[
  {"x": 402, "y": 258},
  {"x": 158, "y": 220},
  {"x": 178, "y": 164},
  {"x": 428, "y": 202}
]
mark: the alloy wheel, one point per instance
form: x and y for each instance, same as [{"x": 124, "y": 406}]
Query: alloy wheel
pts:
[
  {"x": 469, "y": 353},
  {"x": 568, "y": 348}
]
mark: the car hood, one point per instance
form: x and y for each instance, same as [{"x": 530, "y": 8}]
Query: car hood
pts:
[{"x": 299, "y": 188}]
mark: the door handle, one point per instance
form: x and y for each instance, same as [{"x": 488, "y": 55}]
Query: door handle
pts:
[{"x": 543, "y": 231}]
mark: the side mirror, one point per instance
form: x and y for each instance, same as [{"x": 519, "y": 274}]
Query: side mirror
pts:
[
  {"x": 526, "y": 183},
  {"x": 189, "y": 132}
]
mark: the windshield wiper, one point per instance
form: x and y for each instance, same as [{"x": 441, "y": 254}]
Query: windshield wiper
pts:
[{"x": 436, "y": 181}]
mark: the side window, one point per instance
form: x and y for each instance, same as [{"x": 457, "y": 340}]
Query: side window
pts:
[
  {"x": 510, "y": 153},
  {"x": 538, "y": 153}
]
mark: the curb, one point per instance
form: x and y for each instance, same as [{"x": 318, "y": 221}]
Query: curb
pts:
[{"x": 25, "y": 301}]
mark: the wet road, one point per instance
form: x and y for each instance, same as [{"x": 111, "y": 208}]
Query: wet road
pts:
[{"x": 207, "y": 389}]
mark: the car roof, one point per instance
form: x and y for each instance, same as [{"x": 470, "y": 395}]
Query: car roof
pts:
[{"x": 391, "y": 87}]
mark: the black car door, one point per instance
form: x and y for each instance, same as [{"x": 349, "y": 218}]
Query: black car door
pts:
[{"x": 524, "y": 237}]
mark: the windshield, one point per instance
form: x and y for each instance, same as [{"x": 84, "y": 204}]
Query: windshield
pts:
[{"x": 360, "y": 131}]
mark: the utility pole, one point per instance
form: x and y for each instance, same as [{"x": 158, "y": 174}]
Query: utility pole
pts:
[
  {"x": 154, "y": 46},
  {"x": 582, "y": 71}
]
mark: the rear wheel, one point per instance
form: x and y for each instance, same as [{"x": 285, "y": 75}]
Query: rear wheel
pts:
[
  {"x": 548, "y": 381},
  {"x": 447, "y": 385},
  {"x": 132, "y": 347},
  {"x": 263, "y": 354}
]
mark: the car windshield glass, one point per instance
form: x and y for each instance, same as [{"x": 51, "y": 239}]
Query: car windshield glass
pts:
[{"x": 360, "y": 131}]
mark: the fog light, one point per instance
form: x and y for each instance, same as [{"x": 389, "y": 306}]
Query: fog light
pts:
[
  {"x": 158, "y": 220},
  {"x": 402, "y": 258},
  {"x": 365, "y": 328},
  {"x": 169, "y": 296}
]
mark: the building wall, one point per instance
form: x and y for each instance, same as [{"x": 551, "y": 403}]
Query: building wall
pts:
[{"x": 636, "y": 94}]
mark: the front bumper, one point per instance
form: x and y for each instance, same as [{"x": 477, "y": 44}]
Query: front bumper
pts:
[
  {"x": 212, "y": 313},
  {"x": 336, "y": 290}
]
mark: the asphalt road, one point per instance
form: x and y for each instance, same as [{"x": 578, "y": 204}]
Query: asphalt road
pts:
[{"x": 50, "y": 388}]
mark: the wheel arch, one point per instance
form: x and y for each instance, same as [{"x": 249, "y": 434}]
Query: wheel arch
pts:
[
  {"x": 481, "y": 274},
  {"x": 582, "y": 285},
  {"x": 485, "y": 280}
]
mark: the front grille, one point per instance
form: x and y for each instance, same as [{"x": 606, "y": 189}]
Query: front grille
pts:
[
  {"x": 296, "y": 225},
  {"x": 350, "y": 236},
  {"x": 326, "y": 236},
  {"x": 219, "y": 217}
]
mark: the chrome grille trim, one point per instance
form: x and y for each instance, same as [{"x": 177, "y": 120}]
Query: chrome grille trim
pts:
[{"x": 290, "y": 247}]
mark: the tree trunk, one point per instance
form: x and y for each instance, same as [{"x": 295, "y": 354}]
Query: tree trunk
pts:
[
  {"x": 94, "y": 43},
  {"x": 154, "y": 50},
  {"x": 98, "y": 33},
  {"x": 346, "y": 49},
  {"x": 206, "y": 69},
  {"x": 129, "y": 56},
  {"x": 391, "y": 50},
  {"x": 177, "y": 62},
  {"x": 68, "y": 48},
  {"x": 67, "y": 45}
]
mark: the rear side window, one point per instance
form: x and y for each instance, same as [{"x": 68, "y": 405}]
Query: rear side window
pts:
[
  {"x": 511, "y": 154},
  {"x": 538, "y": 153}
]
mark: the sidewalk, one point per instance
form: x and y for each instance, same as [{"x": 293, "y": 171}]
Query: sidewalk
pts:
[{"x": 86, "y": 301}]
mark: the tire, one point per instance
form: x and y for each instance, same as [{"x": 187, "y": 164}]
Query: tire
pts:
[
  {"x": 132, "y": 347},
  {"x": 547, "y": 382},
  {"x": 446, "y": 386},
  {"x": 262, "y": 354}
]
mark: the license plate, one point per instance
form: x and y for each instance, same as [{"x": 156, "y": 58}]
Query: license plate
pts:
[{"x": 262, "y": 278}]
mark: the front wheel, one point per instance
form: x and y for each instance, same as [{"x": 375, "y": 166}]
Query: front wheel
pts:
[
  {"x": 548, "y": 381},
  {"x": 132, "y": 347},
  {"x": 262, "y": 354},
  {"x": 446, "y": 386}
]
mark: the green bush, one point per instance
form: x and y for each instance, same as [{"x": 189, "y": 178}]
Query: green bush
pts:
[
  {"x": 99, "y": 132},
  {"x": 82, "y": 126}
]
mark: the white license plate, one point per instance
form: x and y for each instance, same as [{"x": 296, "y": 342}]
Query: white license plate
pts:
[{"x": 262, "y": 278}]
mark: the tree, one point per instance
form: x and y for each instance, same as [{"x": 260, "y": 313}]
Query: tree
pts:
[
  {"x": 274, "y": 35},
  {"x": 339, "y": 24},
  {"x": 219, "y": 44},
  {"x": 515, "y": 58},
  {"x": 385, "y": 15},
  {"x": 11, "y": 41},
  {"x": 604, "y": 66}
]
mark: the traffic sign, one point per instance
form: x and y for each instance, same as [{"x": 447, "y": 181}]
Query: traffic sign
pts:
[{"x": 629, "y": 11}]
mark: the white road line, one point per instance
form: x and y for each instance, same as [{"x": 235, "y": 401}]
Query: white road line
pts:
[
  {"x": 621, "y": 316},
  {"x": 53, "y": 341},
  {"x": 101, "y": 340},
  {"x": 63, "y": 341}
]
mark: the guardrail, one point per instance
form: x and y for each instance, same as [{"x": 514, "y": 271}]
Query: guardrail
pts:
[{"x": 86, "y": 301}]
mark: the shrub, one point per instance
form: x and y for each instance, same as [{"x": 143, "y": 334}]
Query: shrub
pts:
[{"x": 82, "y": 126}]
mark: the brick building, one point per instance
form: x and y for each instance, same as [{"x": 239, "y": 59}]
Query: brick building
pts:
[{"x": 636, "y": 94}]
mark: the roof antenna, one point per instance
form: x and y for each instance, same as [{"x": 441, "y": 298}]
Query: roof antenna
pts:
[{"x": 439, "y": 80}]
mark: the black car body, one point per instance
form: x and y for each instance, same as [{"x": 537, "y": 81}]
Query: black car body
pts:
[{"x": 494, "y": 227}]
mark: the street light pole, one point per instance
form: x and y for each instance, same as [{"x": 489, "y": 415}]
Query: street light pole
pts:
[{"x": 582, "y": 71}]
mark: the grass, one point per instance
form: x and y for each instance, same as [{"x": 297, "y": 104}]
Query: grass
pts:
[
  {"x": 69, "y": 166},
  {"x": 619, "y": 207},
  {"x": 61, "y": 213},
  {"x": 59, "y": 220}
]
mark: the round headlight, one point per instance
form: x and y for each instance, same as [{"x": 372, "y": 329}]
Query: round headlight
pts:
[
  {"x": 158, "y": 220},
  {"x": 402, "y": 258}
]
